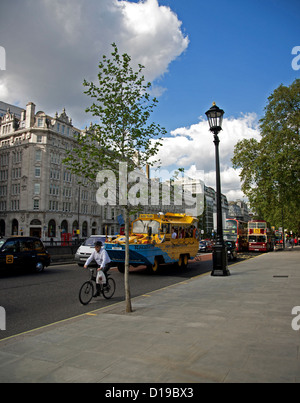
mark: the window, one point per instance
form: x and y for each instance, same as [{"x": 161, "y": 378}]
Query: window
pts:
[
  {"x": 54, "y": 158},
  {"x": 4, "y": 160},
  {"x": 3, "y": 191},
  {"x": 17, "y": 157},
  {"x": 2, "y": 205},
  {"x": 67, "y": 207},
  {"x": 40, "y": 122},
  {"x": 54, "y": 189},
  {"x": 15, "y": 205},
  {"x": 4, "y": 175},
  {"x": 16, "y": 173},
  {"x": 37, "y": 172},
  {"x": 67, "y": 176},
  {"x": 54, "y": 174},
  {"x": 36, "y": 205},
  {"x": 11, "y": 246},
  {"x": 53, "y": 205},
  {"x": 39, "y": 138},
  {"x": 37, "y": 188},
  {"x": 15, "y": 189},
  {"x": 38, "y": 155}
]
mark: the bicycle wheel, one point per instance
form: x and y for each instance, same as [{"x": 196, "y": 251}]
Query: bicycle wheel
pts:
[
  {"x": 86, "y": 292},
  {"x": 110, "y": 288}
]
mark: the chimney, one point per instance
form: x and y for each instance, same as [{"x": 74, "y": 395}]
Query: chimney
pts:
[{"x": 30, "y": 112}]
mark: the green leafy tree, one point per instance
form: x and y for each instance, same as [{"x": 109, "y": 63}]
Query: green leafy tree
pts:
[
  {"x": 123, "y": 132},
  {"x": 270, "y": 168}
]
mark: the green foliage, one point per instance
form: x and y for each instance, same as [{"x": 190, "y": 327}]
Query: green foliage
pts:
[
  {"x": 123, "y": 133},
  {"x": 270, "y": 168}
]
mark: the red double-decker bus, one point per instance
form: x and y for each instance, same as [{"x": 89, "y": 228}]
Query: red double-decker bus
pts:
[
  {"x": 236, "y": 231},
  {"x": 259, "y": 236}
]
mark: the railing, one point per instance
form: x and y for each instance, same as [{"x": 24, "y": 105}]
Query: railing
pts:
[{"x": 74, "y": 242}]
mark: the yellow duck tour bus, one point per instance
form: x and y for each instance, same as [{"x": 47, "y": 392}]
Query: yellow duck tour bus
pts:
[{"x": 156, "y": 239}]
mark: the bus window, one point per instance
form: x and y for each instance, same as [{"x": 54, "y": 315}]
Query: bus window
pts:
[
  {"x": 142, "y": 226},
  {"x": 165, "y": 229},
  {"x": 259, "y": 238}
]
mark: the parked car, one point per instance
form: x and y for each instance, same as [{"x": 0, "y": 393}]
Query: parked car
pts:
[
  {"x": 231, "y": 250},
  {"x": 205, "y": 246},
  {"x": 86, "y": 249},
  {"x": 23, "y": 253}
]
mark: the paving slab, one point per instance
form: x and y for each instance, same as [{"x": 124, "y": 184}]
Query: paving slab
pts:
[{"x": 204, "y": 329}]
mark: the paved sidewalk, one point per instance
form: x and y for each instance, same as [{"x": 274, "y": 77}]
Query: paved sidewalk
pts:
[{"x": 205, "y": 329}]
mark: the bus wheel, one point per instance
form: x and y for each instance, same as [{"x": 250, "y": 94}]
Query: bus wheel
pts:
[
  {"x": 183, "y": 261},
  {"x": 154, "y": 268}
]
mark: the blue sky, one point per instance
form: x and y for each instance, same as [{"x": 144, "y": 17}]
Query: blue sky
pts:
[
  {"x": 235, "y": 53},
  {"x": 239, "y": 52}
]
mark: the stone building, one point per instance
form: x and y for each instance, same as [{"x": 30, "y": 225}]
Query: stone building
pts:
[{"x": 38, "y": 196}]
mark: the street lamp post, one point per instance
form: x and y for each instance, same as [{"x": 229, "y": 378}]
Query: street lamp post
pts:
[{"x": 220, "y": 265}]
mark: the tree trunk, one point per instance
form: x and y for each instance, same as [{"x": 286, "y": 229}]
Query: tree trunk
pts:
[{"x": 126, "y": 274}]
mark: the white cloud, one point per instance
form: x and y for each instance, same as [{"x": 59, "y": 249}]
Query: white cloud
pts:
[
  {"x": 53, "y": 45},
  {"x": 153, "y": 35},
  {"x": 192, "y": 148}
]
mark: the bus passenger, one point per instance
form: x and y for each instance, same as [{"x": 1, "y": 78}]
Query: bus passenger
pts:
[{"x": 174, "y": 234}]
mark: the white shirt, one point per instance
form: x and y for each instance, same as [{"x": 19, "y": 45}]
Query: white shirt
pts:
[{"x": 101, "y": 258}]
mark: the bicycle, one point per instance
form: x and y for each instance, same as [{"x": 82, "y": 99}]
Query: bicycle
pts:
[{"x": 88, "y": 289}]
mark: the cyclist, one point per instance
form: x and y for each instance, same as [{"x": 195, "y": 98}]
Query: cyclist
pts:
[{"x": 103, "y": 261}]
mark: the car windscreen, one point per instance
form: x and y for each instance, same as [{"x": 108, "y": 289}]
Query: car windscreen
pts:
[{"x": 91, "y": 241}]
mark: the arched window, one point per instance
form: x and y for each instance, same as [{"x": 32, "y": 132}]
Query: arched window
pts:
[
  {"x": 85, "y": 229},
  {"x": 2, "y": 228},
  {"x": 52, "y": 229},
  {"x": 15, "y": 227},
  {"x": 64, "y": 227}
]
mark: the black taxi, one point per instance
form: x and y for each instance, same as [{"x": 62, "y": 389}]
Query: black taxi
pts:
[{"x": 23, "y": 253}]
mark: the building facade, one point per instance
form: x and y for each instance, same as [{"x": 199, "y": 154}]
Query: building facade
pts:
[
  {"x": 239, "y": 210},
  {"x": 208, "y": 204},
  {"x": 38, "y": 196}
]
